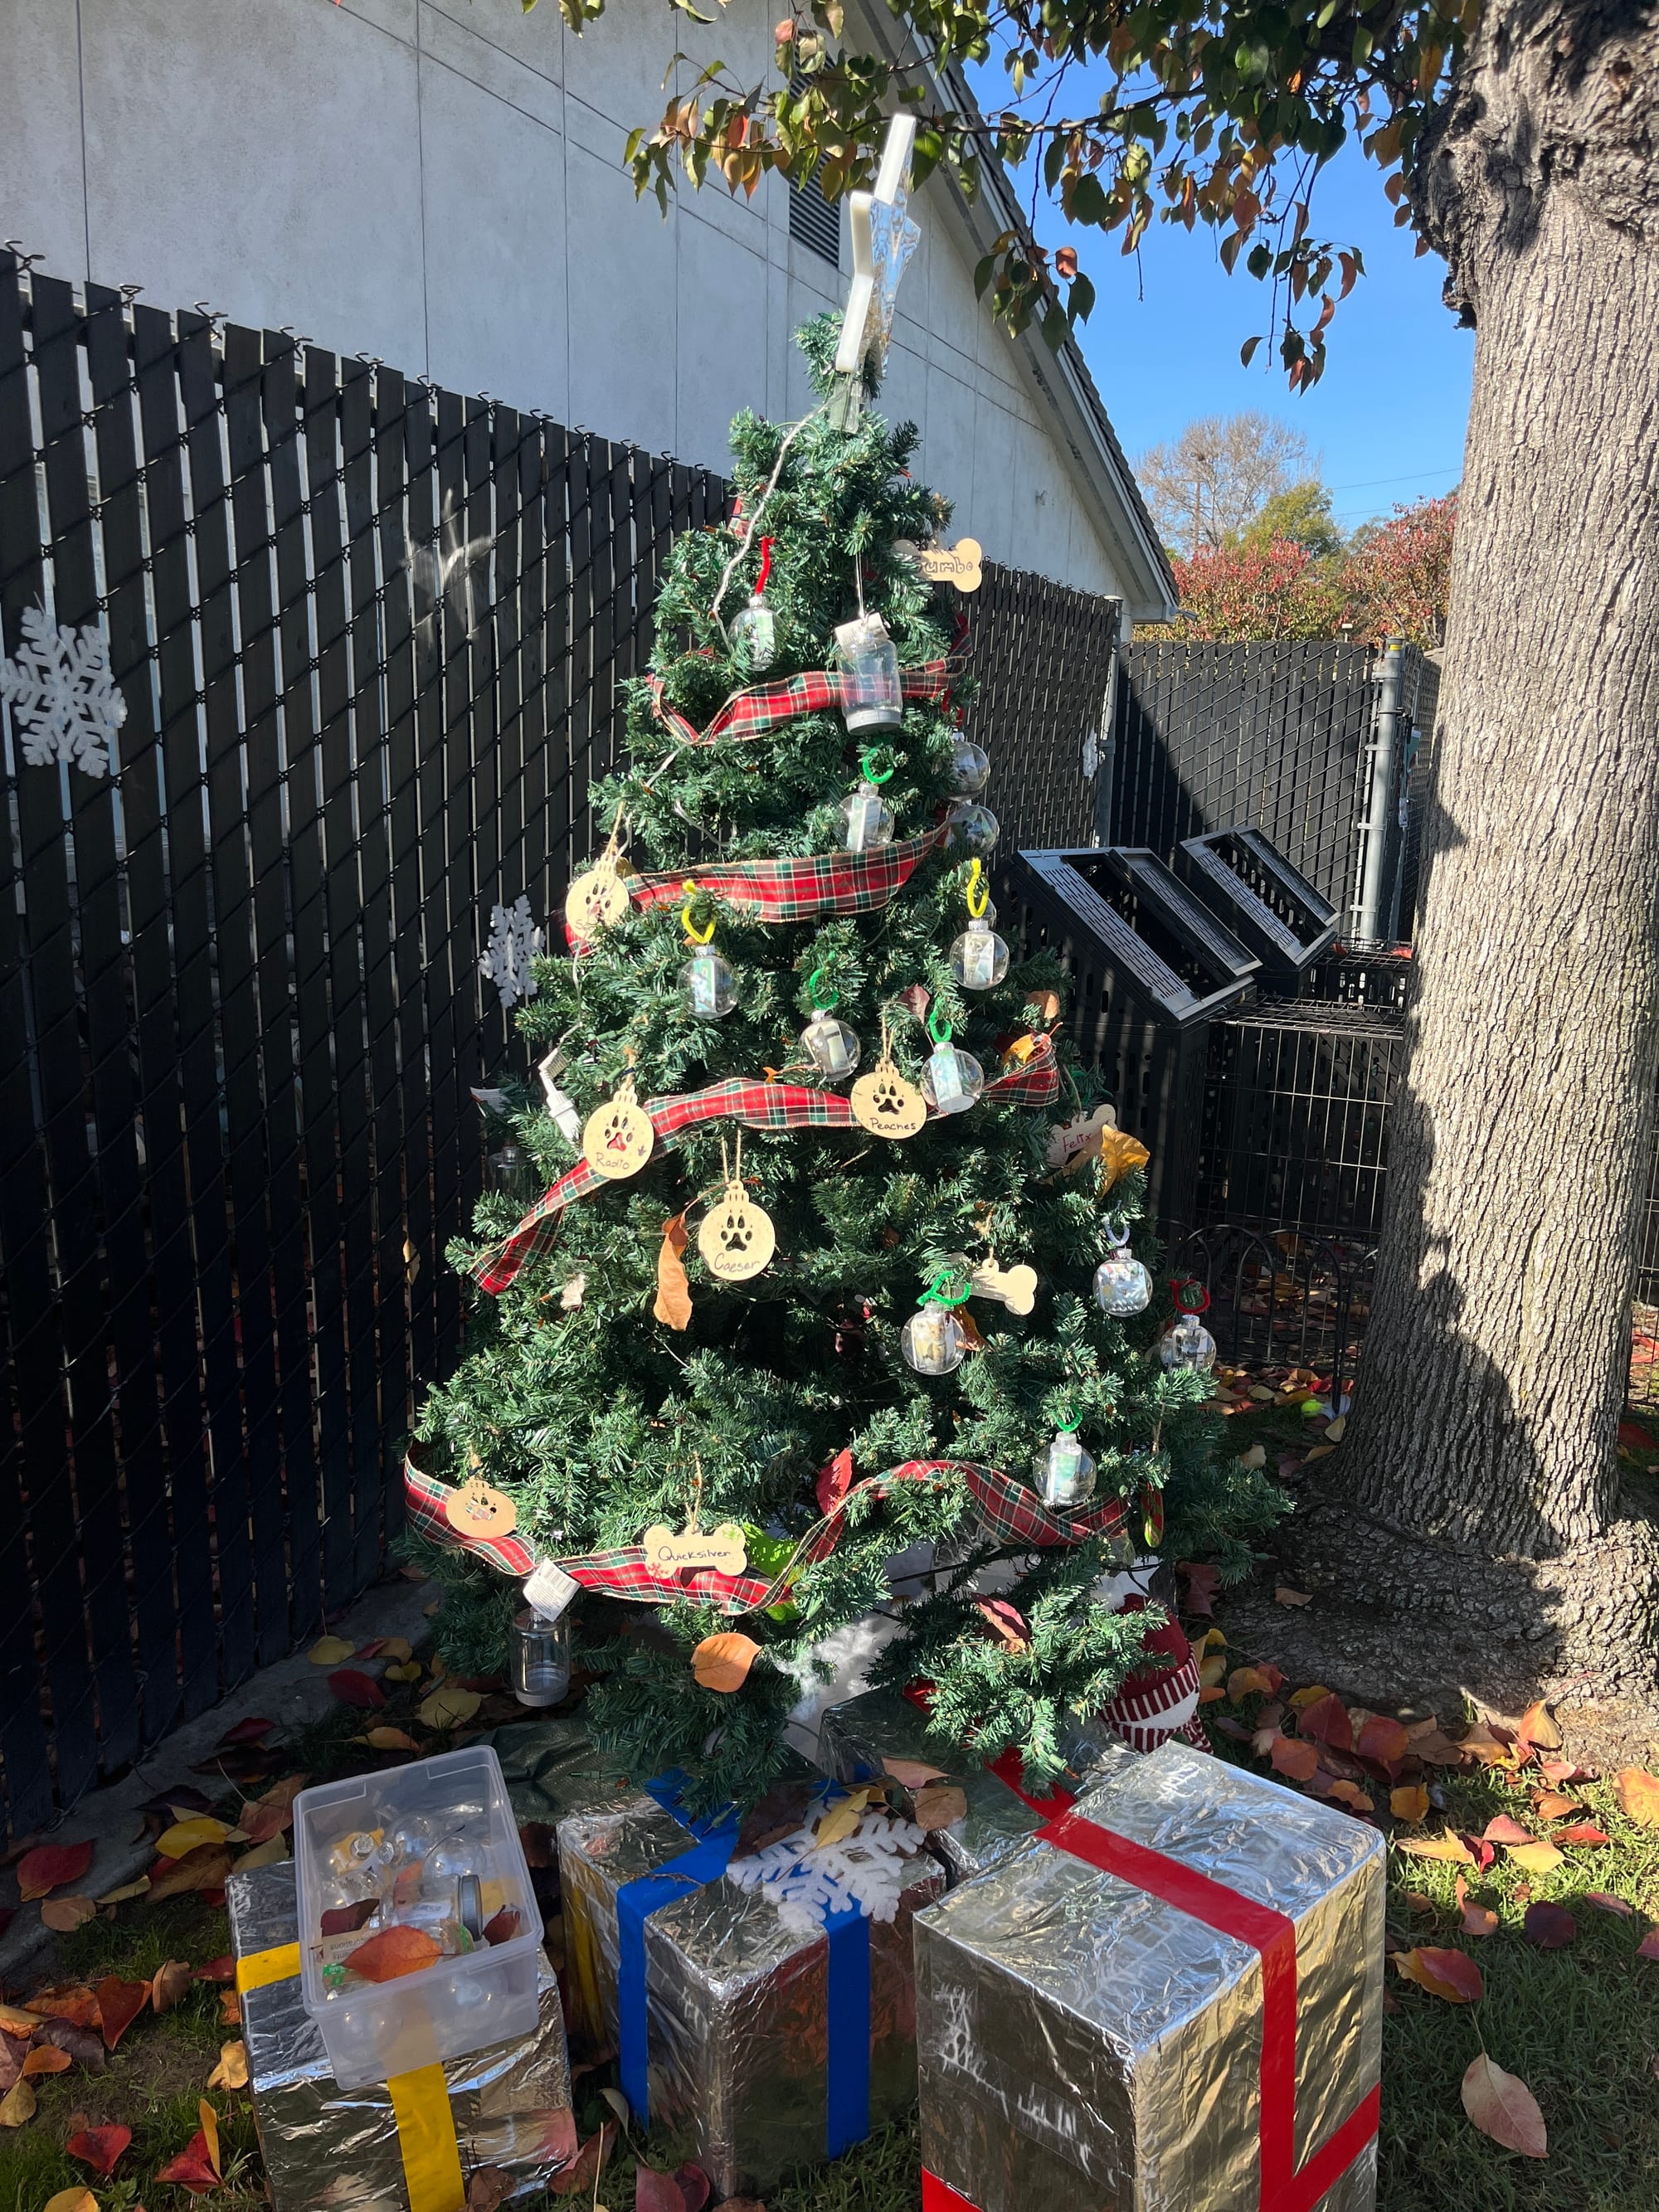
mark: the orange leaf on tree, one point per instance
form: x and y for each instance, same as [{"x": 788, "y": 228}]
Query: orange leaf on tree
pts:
[
  {"x": 1502, "y": 2106},
  {"x": 834, "y": 1481},
  {"x": 673, "y": 1304},
  {"x": 393, "y": 1952},
  {"x": 722, "y": 1662},
  {"x": 119, "y": 2004},
  {"x": 100, "y": 2148},
  {"x": 51, "y": 1865},
  {"x": 1638, "y": 1794},
  {"x": 1452, "y": 1975}
]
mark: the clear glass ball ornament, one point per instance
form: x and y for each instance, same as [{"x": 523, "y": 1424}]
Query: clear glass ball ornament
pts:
[
  {"x": 447, "y": 1862},
  {"x": 1065, "y": 1473},
  {"x": 866, "y": 819},
  {"x": 971, "y": 768},
  {"x": 872, "y": 695},
  {"x": 969, "y": 827},
  {"x": 832, "y": 1048},
  {"x": 755, "y": 635},
  {"x": 411, "y": 1838},
  {"x": 951, "y": 1080},
  {"x": 979, "y": 959},
  {"x": 711, "y": 988},
  {"x": 1188, "y": 1344},
  {"x": 933, "y": 1340},
  {"x": 1122, "y": 1284}
]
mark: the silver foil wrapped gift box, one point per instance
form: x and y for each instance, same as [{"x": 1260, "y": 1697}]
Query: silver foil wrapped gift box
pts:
[
  {"x": 774, "y": 2045},
  {"x": 1170, "y": 2000},
  {"x": 410, "y": 2145}
]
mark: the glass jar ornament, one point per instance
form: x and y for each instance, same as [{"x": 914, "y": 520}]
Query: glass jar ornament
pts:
[
  {"x": 971, "y": 768},
  {"x": 952, "y": 1079},
  {"x": 832, "y": 1048},
  {"x": 872, "y": 696},
  {"x": 866, "y": 819},
  {"x": 933, "y": 1341},
  {"x": 979, "y": 957},
  {"x": 754, "y": 632},
  {"x": 1065, "y": 1473},
  {"x": 1122, "y": 1286},
  {"x": 513, "y": 1172},
  {"x": 1188, "y": 1344},
  {"x": 710, "y": 987},
  {"x": 538, "y": 1658},
  {"x": 969, "y": 827}
]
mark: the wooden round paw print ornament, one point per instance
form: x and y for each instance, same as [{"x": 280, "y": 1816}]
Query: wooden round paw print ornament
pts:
[
  {"x": 886, "y": 1104},
  {"x": 617, "y": 1138},
  {"x": 597, "y": 900},
  {"x": 737, "y": 1238},
  {"x": 475, "y": 1510}
]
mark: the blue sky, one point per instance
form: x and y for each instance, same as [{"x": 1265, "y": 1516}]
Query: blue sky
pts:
[{"x": 1388, "y": 416}]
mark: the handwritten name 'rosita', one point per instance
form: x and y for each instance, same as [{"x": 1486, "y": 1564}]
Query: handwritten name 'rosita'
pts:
[{"x": 720, "y": 1551}]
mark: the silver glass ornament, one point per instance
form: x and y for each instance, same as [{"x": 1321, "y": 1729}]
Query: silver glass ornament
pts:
[
  {"x": 951, "y": 1080},
  {"x": 1122, "y": 1286},
  {"x": 832, "y": 1048},
  {"x": 971, "y": 768},
  {"x": 1188, "y": 1344},
  {"x": 711, "y": 990},
  {"x": 1067, "y": 1473},
  {"x": 979, "y": 959},
  {"x": 866, "y": 820},
  {"x": 933, "y": 1340},
  {"x": 755, "y": 632},
  {"x": 872, "y": 698},
  {"x": 969, "y": 827}
]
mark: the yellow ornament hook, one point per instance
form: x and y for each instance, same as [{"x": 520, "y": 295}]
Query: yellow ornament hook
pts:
[
  {"x": 979, "y": 892},
  {"x": 693, "y": 935}
]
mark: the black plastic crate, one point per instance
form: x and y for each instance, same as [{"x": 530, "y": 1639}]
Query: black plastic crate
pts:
[
  {"x": 1253, "y": 888},
  {"x": 1163, "y": 948}
]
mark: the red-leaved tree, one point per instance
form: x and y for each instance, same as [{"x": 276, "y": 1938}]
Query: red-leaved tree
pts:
[{"x": 1397, "y": 576}]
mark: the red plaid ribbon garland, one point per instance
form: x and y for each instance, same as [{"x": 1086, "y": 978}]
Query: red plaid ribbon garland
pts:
[
  {"x": 792, "y": 889},
  {"x": 1012, "y": 1512},
  {"x": 757, "y": 1106},
  {"x": 751, "y": 714}
]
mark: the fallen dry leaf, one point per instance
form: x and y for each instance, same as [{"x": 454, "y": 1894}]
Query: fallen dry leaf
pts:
[
  {"x": 722, "y": 1662},
  {"x": 127, "y": 1889},
  {"x": 14, "y": 2020},
  {"x": 1502, "y": 2106},
  {"x": 1452, "y": 1975},
  {"x": 83, "y": 2045},
  {"x": 186, "y": 1836},
  {"x": 206, "y": 1868},
  {"x": 1409, "y": 1802},
  {"x": 193, "y": 2169},
  {"x": 80, "y": 2198},
  {"x": 448, "y": 1706},
  {"x": 1581, "y": 1832},
  {"x": 1250, "y": 1683},
  {"x": 1536, "y": 1858},
  {"x": 1326, "y": 1720},
  {"x": 695, "y": 2188},
  {"x": 1293, "y": 1758},
  {"x": 17, "y": 2105},
  {"x": 231, "y": 2072},
  {"x": 1382, "y": 1739},
  {"x": 1638, "y": 1795},
  {"x": 209, "y": 2120},
  {"x": 100, "y": 2148},
  {"x": 1537, "y": 1726},
  {"x": 170, "y": 1983},
  {"x": 1552, "y": 1805},
  {"x": 1549, "y": 1927},
  {"x": 501, "y": 1926},
  {"x": 269, "y": 1815},
  {"x": 939, "y": 1805},
  {"x": 581, "y": 2177},
  {"x": 351, "y": 1686},
  {"x": 51, "y": 1865},
  {"x": 912, "y": 1773},
  {"x": 329, "y": 1651},
  {"x": 74, "y": 2003},
  {"x": 221, "y": 1969},
  {"x": 486, "y": 2188},
  {"x": 406, "y": 1670},
  {"x": 390, "y": 1739},
  {"x": 1284, "y": 1596},
  {"x": 119, "y": 2004},
  {"x": 1502, "y": 1830},
  {"x": 395, "y": 1951},
  {"x": 841, "y": 1819},
  {"x": 46, "y": 2058},
  {"x": 1213, "y": 1670},
  {"x": 230, "y": 2008},
  {"x": 272, "y": 1852},
  {"x": 67, "y": 1913},
  {"x": 1478, "y": 1919},
  {"x": 657, "y": 2192},
  {"x": 1608, "y": 1902},
  {"x": 1488, "y": 1745}
]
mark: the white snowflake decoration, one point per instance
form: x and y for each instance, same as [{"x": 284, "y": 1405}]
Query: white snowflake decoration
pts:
[
  {"x": 65, "y": 705},
  {"x": 870, "y": 1868},
  {"x": 514, "y": 940}
]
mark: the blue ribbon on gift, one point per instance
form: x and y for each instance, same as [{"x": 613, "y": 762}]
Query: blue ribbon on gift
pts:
[{"x": 846, "y": 2102}]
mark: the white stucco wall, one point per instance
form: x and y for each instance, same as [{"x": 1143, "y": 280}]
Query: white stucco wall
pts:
[{"x": 439, "y": 183}]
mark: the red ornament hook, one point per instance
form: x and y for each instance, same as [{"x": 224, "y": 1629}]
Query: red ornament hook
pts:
[{"x": 1180, "y": 1290}]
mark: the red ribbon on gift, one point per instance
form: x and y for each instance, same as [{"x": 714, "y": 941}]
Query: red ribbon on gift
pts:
[{"x": 1285, "y": 2186}]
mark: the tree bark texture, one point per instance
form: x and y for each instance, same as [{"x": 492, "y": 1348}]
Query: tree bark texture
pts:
[{"x": 1493, "y": 1373}]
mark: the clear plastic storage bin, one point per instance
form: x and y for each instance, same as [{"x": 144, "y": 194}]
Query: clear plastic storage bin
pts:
[{"x": 432, "y": 1847}]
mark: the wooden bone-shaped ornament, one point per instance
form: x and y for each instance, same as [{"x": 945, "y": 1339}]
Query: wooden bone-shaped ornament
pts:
[
  {"x": 1071, "y": 1143},
  {"x": 1013, "y": 1287},
  {"x": 724, "y": 1550}
]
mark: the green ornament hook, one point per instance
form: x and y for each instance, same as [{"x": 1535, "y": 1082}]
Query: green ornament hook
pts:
[
  {"x": 1070, "y": 1428},
  {"x": 940, "y": 1292},
  {"x": 868, "y": 765},
  {"x": 938, "y": 1028},
  {"x": 815, "y": 993}
]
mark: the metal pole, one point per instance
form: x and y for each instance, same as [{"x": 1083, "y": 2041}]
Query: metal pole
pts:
[{"x": 1369, "y": 922}]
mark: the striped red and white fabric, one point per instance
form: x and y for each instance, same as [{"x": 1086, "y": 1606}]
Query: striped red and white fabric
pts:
[
  {"x": 757, "y": 1106},
  {"x": 751, "y": 714},
  {"x": 1160, "y": 1700}
]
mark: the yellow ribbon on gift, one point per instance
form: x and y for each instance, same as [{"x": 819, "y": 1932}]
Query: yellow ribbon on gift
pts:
[{"x": 419, "y": 2103}]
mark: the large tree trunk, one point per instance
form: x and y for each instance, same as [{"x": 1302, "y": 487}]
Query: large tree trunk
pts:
[{"x": 1493, "y": 1371}]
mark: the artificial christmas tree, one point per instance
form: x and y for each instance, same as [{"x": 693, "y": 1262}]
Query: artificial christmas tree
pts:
[{"x": 811, "y": 1281}]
